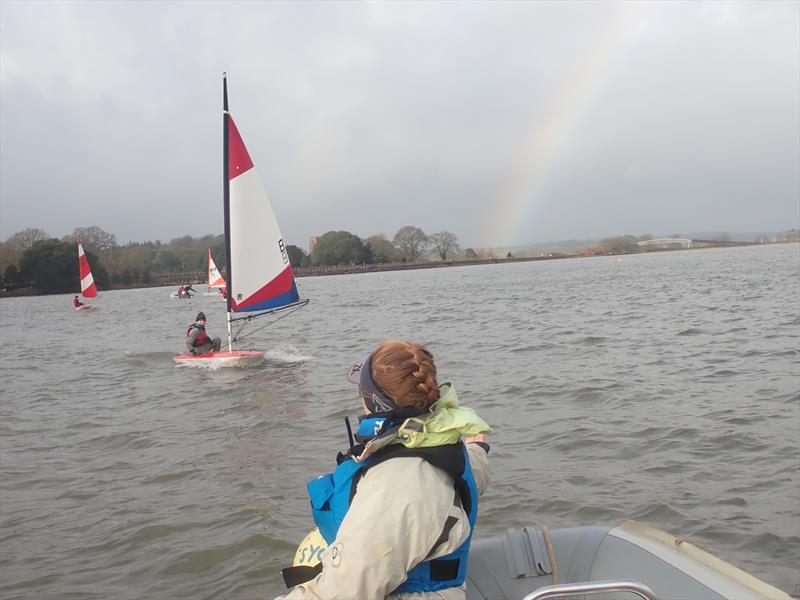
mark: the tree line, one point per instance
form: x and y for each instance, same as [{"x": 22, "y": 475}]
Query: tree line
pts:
[
  {"x": 32, "y": 258},
  {"x": 409, "y": 244}
]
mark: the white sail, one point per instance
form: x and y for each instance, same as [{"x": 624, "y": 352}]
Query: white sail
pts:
[
  {"x": 215, "y": 280},
  {"x": 259, "y": 274}
]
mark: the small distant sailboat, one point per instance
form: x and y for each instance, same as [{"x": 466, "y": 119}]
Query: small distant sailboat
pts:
[
  {"x": 88, "y": 287},
  {"x": 215, "y": 280},
  {"x": 259, "y": 276},
  {"x": 183, "y": 293}
]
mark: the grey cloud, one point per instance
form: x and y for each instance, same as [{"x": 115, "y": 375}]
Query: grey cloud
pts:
[{"x": 579, "y": 119}]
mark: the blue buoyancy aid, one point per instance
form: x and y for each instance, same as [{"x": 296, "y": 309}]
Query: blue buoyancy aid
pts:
[{"x": 332, "y": 494}]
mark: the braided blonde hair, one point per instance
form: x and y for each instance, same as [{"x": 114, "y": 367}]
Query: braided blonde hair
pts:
[{"x": 406, "y": 372}]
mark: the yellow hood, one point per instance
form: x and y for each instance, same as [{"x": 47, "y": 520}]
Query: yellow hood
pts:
[{"x": 446, "y": 423}]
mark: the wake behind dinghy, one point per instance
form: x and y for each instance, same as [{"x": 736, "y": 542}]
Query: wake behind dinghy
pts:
[{"x": 521, "y": 561}]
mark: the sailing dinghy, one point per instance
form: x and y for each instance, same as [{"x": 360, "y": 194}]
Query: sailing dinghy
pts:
[
  {"x": 259, "y": 277},
  {"x": 182, "y": 295},
  {"x": 215, "y": 280},
  {"x": 88, "y": 287}
]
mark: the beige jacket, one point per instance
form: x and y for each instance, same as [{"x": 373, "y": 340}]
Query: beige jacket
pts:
[{"x": 396, "y": 517}]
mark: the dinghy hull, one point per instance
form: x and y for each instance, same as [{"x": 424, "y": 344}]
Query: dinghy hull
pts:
[
  {"x": 518, "y": 562},
  {"x": 216, "y": 360}
]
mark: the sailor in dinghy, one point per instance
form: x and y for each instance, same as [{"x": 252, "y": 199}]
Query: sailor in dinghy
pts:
[{"x": 197, "y": 340}]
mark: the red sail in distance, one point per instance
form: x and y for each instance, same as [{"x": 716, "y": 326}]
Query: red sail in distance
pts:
[{"x": 88, "y": 288}]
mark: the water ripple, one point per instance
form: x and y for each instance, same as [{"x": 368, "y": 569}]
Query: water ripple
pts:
[{"x": 654, "y": 393}]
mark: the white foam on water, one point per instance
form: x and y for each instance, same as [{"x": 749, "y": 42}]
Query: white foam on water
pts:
[{"x": 287, "y": 354}]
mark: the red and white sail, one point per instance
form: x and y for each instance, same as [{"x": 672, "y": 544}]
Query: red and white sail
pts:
[
  {"x": 88, "y": 288},
  {"x": 260, "y": 275},
  {"x": 215, "y": 280}
]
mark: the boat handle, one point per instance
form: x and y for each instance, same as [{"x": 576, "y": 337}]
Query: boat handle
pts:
[{"x": 591, "y": 587}]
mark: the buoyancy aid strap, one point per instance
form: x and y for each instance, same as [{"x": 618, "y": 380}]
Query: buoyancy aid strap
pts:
[
  {"x": 449, "y": 570},
  {"x": 449, "y": 523},
  {"x": 293, "y": 576},
  {"x": 444, "y": 570},
  {"x": 450, "y": 459}
]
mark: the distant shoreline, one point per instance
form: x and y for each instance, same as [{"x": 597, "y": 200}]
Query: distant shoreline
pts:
[
  {"x": 195, "y": 278},
  {"x": 401, "y": 266}
]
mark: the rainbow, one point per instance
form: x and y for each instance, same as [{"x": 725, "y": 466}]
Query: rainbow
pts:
[{"x": 521, "y": 199}]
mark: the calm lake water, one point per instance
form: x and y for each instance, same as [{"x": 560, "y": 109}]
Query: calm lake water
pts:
[{"x": 662, "y": 387}]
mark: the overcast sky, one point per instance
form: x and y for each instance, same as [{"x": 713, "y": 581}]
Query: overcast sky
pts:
[{"x": 506, "y": 123}]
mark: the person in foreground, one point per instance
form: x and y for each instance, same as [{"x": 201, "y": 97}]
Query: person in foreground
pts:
[
  {"x": 76, "y": 303},
  {"x": 197, "y": 341},
  {"x": 399, "y": 510}
]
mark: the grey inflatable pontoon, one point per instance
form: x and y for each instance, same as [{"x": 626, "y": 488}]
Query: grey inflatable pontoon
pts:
[{"x": 621, "y": 562}]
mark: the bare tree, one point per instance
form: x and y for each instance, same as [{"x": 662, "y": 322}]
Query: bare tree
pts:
[
  {"x": 22, "y": 240},
  {"x": 95, "y": 238},
  {"x": 411, "y": 241},
  {"x": 444, "y": 242}
]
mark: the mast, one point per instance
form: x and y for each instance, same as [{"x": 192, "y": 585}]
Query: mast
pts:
[{"x": 226, "y": 205}]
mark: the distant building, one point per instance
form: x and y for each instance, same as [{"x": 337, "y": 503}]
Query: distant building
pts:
[{"x": 312, "y": 241}]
